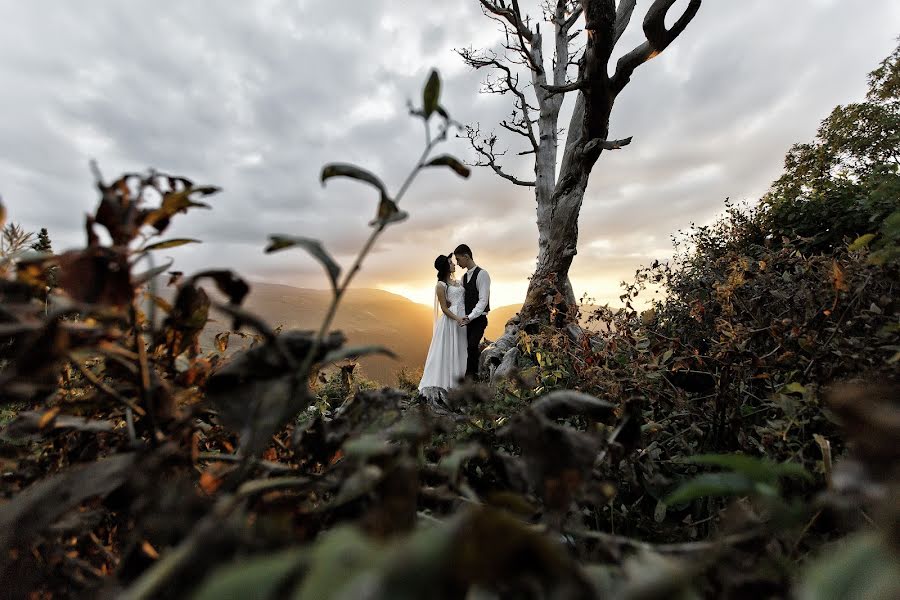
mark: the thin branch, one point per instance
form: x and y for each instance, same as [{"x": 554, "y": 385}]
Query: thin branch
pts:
[
  {"x": 485, "y": 148},
  {"x": 682, "y": 548},
  {"x": 562, "y": 89},
  {"x": 513, "y": 16},
  {"x": 573, "y": 17},
  {"x": 563, "y": 39},
  {"x": 103, "y": 387},
  {"x": 607, "y": 144},
  {"x": 511, "y": 82},
  {"x": 529, "y": 52},
  {"x": 268, "y": 465},
  {"x": 512, "y": 128},
  {"x": 509, "y": 177}
]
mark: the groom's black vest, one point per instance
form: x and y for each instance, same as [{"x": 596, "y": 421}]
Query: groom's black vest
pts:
[{"x": 471, "y": 287}]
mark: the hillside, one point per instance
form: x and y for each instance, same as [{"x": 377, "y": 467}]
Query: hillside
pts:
[
  {"x": 498, "y": 318},
  {"x": 366, "y": 316}
]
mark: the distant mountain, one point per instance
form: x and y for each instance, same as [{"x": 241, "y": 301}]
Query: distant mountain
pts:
[
  {"x": 366, "y": 316},
  {"x": 497, "y": 319}
]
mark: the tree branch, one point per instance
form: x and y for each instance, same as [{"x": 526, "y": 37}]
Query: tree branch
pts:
[
  {"x": 519, "y": 26},
  {"x": 563, "y": 24},
  {"x": 607, "y": 144},
  {"x": 514, "y": 128},
  {"x": 658, "y": 39},
  {"x": 513, "y": 16},
  {"x": 485, "y": 148},
  {"x": 562, "y": 89},
  {"x": 535, "y": 65},
  {"x": 573, "y": 17},
  {"x": 623, "y": 17},
  {"x": 511, "y": 83},
  {"x": 511, "y": 178}
]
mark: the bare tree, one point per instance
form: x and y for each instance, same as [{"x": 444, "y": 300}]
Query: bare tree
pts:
[
  {"x": 537, "y": 103},
  {"x": 13, "y": 242}
]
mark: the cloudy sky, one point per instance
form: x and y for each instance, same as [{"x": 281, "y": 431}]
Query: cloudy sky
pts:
[{"x": 256, "y": 95}]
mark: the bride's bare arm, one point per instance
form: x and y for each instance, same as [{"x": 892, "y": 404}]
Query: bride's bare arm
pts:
[{"x": 442, "y": 300}]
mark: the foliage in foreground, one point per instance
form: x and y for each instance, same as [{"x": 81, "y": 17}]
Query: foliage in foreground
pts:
[{"x": 147, "y": 469}]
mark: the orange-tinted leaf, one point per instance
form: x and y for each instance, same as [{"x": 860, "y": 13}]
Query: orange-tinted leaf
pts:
[
  {"x": 337, "y": 456},
  {"x": 222, "y": 341},
  {"x": 837, "y": 277},
  {"x": 162, "y": 304},
  {"x": 48, "y": 417},
  {"x": 209, "y": 483},
  {"x": 149, "y": 550}
]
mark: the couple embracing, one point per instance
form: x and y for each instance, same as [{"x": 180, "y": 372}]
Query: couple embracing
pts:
[{"x": 461, "y": 309}]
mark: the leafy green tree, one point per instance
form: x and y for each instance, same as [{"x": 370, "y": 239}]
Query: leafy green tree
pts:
[{"x": 846, "y": 182}]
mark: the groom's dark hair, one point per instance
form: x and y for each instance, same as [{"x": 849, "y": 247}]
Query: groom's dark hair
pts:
[{"x": 463, "y": 249}]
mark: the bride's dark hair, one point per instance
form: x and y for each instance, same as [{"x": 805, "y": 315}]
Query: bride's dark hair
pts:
[{"x": 442, "y": 264}]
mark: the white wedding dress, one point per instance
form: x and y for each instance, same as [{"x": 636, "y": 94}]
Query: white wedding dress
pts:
[{"x": 446, "y": 362}]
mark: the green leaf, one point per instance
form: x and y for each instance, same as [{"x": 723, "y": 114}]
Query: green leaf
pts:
[
  {"x": 712, "y": 484},
  {"x": 353, "y": 172},
  {"x": 314, "y": 247},
  {"x": 861, "y": 242},
  {"x": 861, "y": 567},
  {"x": 453, "y": 462},
  {"x": 794, "y": 387},
  {"x": 431, "y": 95},
  {"x": 356, "y": 352},
  {"x": 445, "y": 160},
  {"x": 757, "y": 469},
  {"x": 252, "y": 578},
  {"x": 173, "y": 243},
  {"x": 366, "y": 446},
  {"x": 340, "y": 558}
]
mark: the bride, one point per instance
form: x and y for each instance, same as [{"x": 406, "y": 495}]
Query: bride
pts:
[{"x": 446, "y": 362}]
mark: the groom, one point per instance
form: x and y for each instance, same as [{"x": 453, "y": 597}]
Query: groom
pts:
[{"x": 477, "y": 284}]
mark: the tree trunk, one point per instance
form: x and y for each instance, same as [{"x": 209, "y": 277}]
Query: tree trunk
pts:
[
  {"x": 550, "y": 298},
  {"x": 550, "y": 291}
]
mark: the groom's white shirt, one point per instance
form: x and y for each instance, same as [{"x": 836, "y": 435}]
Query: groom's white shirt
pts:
[{"x": 483, "y": 283}]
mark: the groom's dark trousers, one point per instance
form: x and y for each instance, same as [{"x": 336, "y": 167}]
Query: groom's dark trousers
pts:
[{"x": 474, "y": 333}]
